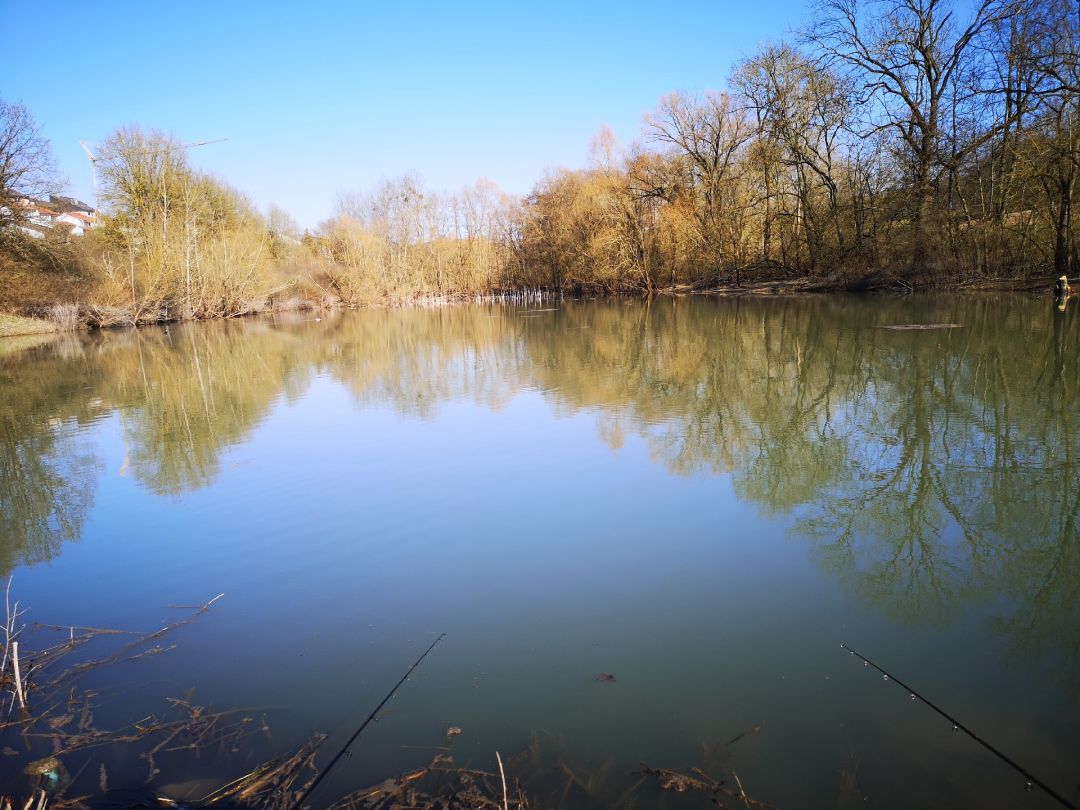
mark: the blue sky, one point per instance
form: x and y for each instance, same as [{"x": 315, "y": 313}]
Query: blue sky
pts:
[{"x": 318, "y": 97}]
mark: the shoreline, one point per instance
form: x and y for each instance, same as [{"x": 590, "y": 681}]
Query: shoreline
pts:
[{"x": 21, "y": 326}]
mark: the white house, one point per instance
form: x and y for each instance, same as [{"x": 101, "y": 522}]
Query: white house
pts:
[
  {"x": 36, "y": 217},
  {"x": 39, "y": 215},
  {"x": 76, "y": 221}
]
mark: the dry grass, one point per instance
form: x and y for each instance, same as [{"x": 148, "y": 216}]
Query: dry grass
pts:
[
  {"x": 16, "y": 325},
  {"x": 65, "y": 317}
]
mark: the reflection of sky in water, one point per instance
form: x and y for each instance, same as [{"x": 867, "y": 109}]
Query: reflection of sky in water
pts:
[{"x": 356, "y": 489}]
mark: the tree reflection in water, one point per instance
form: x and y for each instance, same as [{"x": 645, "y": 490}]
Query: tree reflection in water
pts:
[{"x": 929, "y": 469}]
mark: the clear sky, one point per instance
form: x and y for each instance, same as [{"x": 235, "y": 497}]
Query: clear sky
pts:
[{"x": 317, "y": 97}]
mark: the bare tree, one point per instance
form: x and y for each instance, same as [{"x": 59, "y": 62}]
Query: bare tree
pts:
[
  {"x": 1056, "y": 154},
  {"x": 1036, "y": 60},
  {"x": 907, "y": 55},
  {"x": 282, "y": 224},
  {"x": 26, "y": 161},
  {"x": 710, "y": 133},
  {"x": 803, "y": 108}
]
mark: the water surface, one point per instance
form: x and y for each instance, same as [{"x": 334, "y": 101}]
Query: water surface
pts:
[{"x": 702, "y": 497}]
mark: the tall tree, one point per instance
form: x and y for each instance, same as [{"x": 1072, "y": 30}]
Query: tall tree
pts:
[
  {"x": 1056, "y": 152},
  {"x": 907, "y": 56},
  {"x": 710, "y": 132},
  {"x": 803, "y": 108}
]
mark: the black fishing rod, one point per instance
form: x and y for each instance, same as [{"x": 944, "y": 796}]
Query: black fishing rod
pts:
[
  {"x": 370, "y": 717},
  {"x": 958, "y": 726}
]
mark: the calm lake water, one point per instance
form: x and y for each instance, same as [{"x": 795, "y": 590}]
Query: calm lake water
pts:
[{"x": 702, "y": 497}]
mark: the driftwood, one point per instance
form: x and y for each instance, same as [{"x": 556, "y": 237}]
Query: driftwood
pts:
[
  {"x": 440, "y": 784},
  {"x": 42, "y": 711},
  {"x": 275, "y": 785},
  {"x": 697, "y": 781}
]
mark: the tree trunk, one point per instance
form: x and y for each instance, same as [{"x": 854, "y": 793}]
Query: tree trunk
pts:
[{"x": 1062, "y": 253}]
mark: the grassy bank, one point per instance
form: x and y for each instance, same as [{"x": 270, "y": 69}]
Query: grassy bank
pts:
[{"x": 16, "y": 325}]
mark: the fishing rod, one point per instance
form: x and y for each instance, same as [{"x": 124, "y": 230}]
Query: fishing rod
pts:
[
  {"x": 370, "y": 717},
  {"x": 958, "y": 726}
]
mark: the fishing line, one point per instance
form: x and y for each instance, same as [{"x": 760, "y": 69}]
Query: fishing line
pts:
[
  {"x": 957, "y": 725},
  {"x": 370, "y": 717}
]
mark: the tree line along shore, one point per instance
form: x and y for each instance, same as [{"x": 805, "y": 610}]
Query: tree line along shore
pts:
[{"x": 892, "y": 144}]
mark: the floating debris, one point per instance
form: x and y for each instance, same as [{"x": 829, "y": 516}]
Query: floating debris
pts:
[
  {"x": 273, "y": 785},
  {"x": 52, "y": 776},
  {"x": 440, "y": 784},
  {"x": 45, "y": 709},
  {"x": 918, "y": 327},
  {"x": 543, "y": 774},
  {"x": 747, "y": 733},
  {"x": 698, "y": 781}
]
